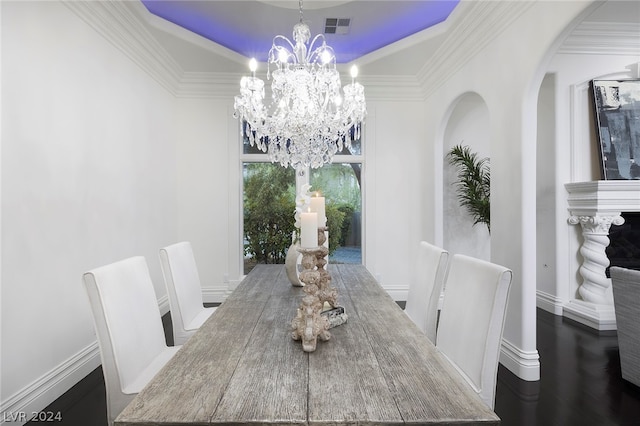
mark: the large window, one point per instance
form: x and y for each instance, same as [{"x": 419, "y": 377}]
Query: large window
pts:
[
  {"x": 268, "y": 206},
  {"x": 340, "y": 184},
  {"x": 269, "y": 192}
]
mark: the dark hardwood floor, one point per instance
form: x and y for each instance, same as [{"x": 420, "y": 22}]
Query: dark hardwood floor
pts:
[
  {"x": 580, "y": 380},
  {"x": 580, "y": 384}
]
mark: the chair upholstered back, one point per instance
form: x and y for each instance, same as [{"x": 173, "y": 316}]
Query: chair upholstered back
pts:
[
  {"x": 128, "y": 327},
  {"x": 184, "y": 289},
  {"x": 626, "y": 300},
  {"x": 425, "y": 288},
  {"x": 472, "y": 320}
]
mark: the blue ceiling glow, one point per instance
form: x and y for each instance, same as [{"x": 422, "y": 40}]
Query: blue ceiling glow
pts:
[
  {"x": 187, "y": 15},
  {"x": 220, "y": 22},
  {"x": 423, "y": 15}
]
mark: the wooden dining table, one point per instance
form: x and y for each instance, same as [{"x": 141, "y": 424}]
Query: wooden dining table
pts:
[{"x": 242, "y": 367}]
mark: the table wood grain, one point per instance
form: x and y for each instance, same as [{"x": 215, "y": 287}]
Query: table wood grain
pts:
[{"x": 242, "y": 367}]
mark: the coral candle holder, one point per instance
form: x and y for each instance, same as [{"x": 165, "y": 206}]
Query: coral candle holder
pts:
[{"x": 309, "y": 324}]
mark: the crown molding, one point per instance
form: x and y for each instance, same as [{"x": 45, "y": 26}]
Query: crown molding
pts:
[
  {"x": 208, "y": 85},
  {"x": 123, "y": 24},
  {"x": 603, "y": 38},
  {"x": 391, "y": 88},
  {"x": 476, "y": 25},
  {"x": 119, "y": 23},
  {"x": 189, "y": 36},
  {"x": 481, "y": 22}
]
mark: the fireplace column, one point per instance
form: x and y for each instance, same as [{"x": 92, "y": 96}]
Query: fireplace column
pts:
[
  {"x": 595, "y": 230},
  {"x": 596, "y": 206}
]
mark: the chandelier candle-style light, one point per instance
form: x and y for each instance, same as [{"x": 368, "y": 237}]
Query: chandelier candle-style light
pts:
[{"x": 309, "y": 119}]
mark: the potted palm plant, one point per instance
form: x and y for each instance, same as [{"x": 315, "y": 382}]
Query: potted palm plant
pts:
[{"x": 474, "y": 183}]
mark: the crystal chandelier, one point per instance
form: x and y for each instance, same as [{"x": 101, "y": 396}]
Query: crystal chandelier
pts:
[{"x": 309, "y": 119}]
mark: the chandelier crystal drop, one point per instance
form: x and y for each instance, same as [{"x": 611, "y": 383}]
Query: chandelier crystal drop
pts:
[{"x": 309, "y": 118}]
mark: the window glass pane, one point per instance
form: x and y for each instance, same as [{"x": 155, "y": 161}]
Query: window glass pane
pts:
[
  {"x": 247, "y": 148},
  {"x": 340, "y": 184},
  {"x": 356, "y": 146},
  {"x": 268, "y": 206}
]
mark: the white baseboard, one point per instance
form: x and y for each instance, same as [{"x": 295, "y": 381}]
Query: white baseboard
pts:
[
  {"x": 163, "y": 304},
  {"x": 524, "y": 364},
  {"x": 549, "y": 302},
  {"x": 397, "y": 292},
  {"x": 216, "y": 294},
  {"x": 597, "y": 316},
  {"x": 35, "y": 397}
]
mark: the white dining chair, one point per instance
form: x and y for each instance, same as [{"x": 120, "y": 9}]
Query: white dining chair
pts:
[
  {"x": 472, "y": 320},
  {"x": 426, "y": 287},
  {"x": 129, "y": 329},
  {"x": 185, "y": 292}
]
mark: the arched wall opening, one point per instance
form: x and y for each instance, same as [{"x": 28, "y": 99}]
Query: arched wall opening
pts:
[{"x": 468, "y": 124}]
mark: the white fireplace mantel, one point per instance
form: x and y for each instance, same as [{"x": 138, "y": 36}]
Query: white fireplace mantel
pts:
[
  {"x": 596, "y": 206},
  {"x": 603, "y": 197}
]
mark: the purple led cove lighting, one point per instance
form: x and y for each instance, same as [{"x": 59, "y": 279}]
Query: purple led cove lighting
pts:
[
  {"x": 399, "y": 22},
  {"x": 194, "y": 16},
  {"x": 423, "y": 15}
]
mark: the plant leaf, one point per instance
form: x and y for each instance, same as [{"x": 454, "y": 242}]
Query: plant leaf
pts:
[{"x": 474, "y": 183}]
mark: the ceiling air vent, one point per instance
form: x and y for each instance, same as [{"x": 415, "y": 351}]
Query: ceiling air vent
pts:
[{"x": 337, "y": 25}]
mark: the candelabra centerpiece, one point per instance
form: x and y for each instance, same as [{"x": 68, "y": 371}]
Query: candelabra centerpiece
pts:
[
  {"x": 309, "y": 118},
  {"x": 310, "y": 324}
]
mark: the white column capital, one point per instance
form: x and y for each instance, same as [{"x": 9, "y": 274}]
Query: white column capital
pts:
[{"x": 596, "y": 224}]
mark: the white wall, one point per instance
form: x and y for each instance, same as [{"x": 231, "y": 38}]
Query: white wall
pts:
[
  {"x": 88, "y": 178},
  {"x": 393, "y": 185},
  {"x": 545, "y": 197},
  {"x": 208, "y": 191}
]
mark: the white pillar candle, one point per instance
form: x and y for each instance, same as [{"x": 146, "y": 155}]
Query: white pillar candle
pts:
[
  {"x": 317, "y": 205},
  {"x": 309, "y": 229}
]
